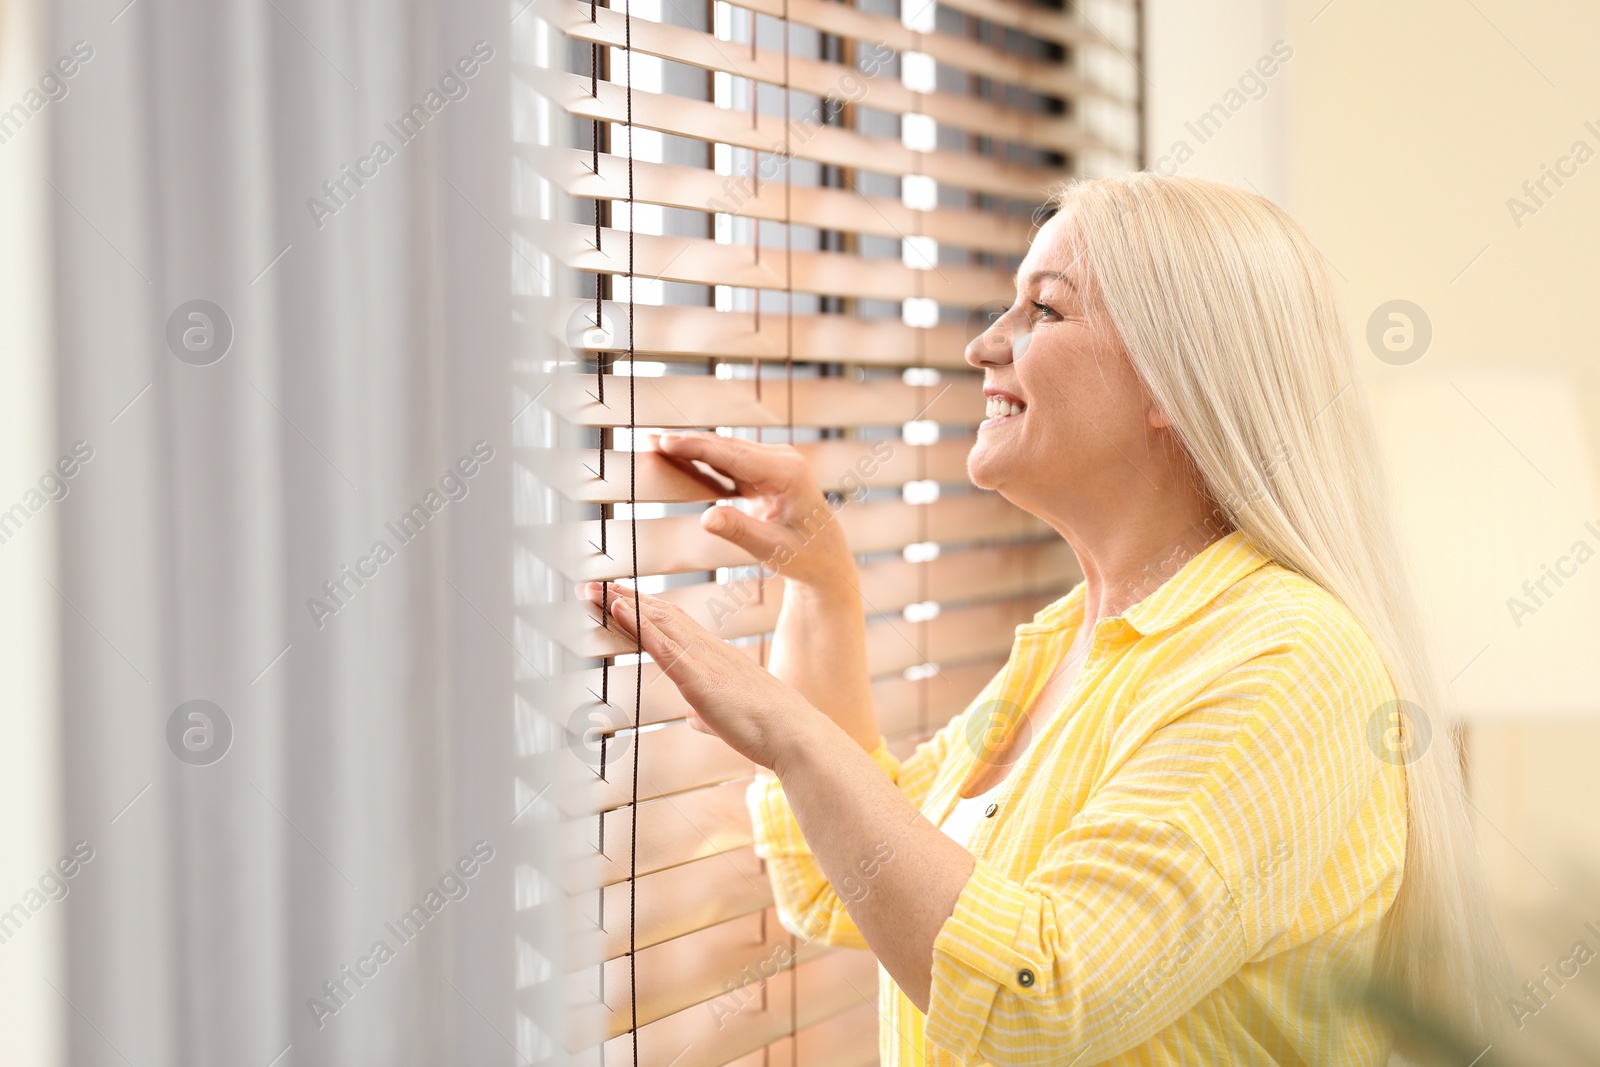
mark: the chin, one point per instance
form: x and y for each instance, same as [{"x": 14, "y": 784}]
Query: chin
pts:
[{"x": 984, "y": 468}]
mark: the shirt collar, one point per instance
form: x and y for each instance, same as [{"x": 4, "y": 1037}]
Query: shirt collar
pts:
[{"x": 1197, "y": 582}]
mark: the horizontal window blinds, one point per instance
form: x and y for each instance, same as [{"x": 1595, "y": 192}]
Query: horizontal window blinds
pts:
[{"x": 782, "y": 220}]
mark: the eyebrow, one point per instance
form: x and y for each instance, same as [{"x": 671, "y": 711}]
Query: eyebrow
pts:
[{"x": 1057, "y": 275}]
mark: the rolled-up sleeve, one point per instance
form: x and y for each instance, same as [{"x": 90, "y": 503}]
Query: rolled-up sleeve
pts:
[
  {"x": 807, "y": 904},
  {"x": 1129, "y": 924},
  {"x": 1189, "y": 861}
]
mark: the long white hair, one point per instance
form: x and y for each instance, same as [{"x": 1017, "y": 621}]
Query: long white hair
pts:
[{"x": 1233, "y": 324}]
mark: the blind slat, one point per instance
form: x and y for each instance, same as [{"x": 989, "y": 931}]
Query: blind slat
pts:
[
  {"x": 685, "y": 402},
  {"x": 673, "y": 759},
  {"x": 662, "y": 703},
  {"x": 981, "y": 630},
  {"x": 1041, "y": 76},
  {"x": 709, "y": 968},
  {"x": 677, "y": 543},
  {"x": 672, "y": 830},
  {"x": 904, "y": 704},
  {"x": 703, "y": 261},
  {"x": 825, "y": 79},
  {"x": 840, "y": 465},
  {"x": 677, "y": 758},
  {"x": 704, "y": 121},
  {"x": 704, "y": 822},
  {"x": 847, "y": 210},
  {"x": 702, "y": 333},
  {"x": 888, "y": 585},
  {"x": 826, "y": 987},
  {"x": 849, "y": 1039},
  {"x": 683, "y": 899},
  {"x": 1052, "y": 24}
]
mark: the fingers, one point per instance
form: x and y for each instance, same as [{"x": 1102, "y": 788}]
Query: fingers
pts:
[
  {"x": 761, "y": 539},
  {"x": 753, "y": 466},
  {"x": 718, "y": 483},
  {"x": 662, "y": 629}
]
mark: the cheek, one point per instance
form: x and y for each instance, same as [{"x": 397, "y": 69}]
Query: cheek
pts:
[
  {"x": 1081, "y": 407},
  {"x": 1076, "y": 421},
  {"x": 1056, "y": 402}
]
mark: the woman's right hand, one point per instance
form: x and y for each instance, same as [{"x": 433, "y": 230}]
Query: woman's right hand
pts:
[{"x": 790, "y": 527}]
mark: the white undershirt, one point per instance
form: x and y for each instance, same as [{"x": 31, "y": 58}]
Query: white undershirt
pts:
[{"x": 968, "y": 812}]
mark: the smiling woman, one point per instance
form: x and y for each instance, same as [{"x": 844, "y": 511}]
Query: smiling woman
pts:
[{"x": 1195, "y": 851}]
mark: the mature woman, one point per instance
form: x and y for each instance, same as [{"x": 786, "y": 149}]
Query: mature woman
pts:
[{"x": 1198, "y": 813}]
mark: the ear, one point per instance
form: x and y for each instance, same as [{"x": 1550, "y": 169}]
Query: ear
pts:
[{"x": 1157, "y": 418}]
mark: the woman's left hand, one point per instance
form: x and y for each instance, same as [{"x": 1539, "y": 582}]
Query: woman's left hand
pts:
[{"x": 729, "y": 694}]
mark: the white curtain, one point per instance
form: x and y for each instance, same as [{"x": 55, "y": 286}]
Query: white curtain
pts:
[{"x": 222, "y": 542}]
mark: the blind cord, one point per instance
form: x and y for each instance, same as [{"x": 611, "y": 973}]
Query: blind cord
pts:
[
  {"x": 788, "y": 365},
  {"x": 599, "y": 315},
  {"x": 633, "y": 527}
]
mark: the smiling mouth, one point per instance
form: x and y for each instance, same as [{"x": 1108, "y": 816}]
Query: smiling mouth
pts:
[{"x": 998, "y": 408}]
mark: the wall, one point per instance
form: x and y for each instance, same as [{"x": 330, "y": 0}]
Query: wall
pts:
[{"x": 1397, "y": 134}]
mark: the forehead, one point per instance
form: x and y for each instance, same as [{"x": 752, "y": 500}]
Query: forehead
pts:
[{"x": 1056, "y": 249}]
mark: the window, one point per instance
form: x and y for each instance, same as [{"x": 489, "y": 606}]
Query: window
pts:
[{"x": 780, "y": 219}]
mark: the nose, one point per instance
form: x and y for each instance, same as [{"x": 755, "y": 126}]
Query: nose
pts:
[{"x": 992, "y": 347}]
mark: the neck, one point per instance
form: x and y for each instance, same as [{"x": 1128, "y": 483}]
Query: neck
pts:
[{"x": 1127, "y": 553}]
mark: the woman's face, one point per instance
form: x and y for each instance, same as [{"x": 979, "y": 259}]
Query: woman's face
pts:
[{"x": 1083, "y": 423}]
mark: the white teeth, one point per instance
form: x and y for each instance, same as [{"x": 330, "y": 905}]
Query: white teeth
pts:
[{"x": 997, "y": 407}]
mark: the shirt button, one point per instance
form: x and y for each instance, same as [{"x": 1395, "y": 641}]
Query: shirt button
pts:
[
  {"x": 1025, "y": 977},
  {"x": 988, "y": 813}
]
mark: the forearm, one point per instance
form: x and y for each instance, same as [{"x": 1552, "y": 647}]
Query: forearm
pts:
[
  {"x": 820, "y": 648},
  {"x": 852, "y": 816}
]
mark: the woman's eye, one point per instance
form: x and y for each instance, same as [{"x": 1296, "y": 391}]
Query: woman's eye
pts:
[{"x": 1040, "y": 309}]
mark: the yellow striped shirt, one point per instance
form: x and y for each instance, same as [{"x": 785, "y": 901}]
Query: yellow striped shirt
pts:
[{"x": 1189, "y": 861}]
